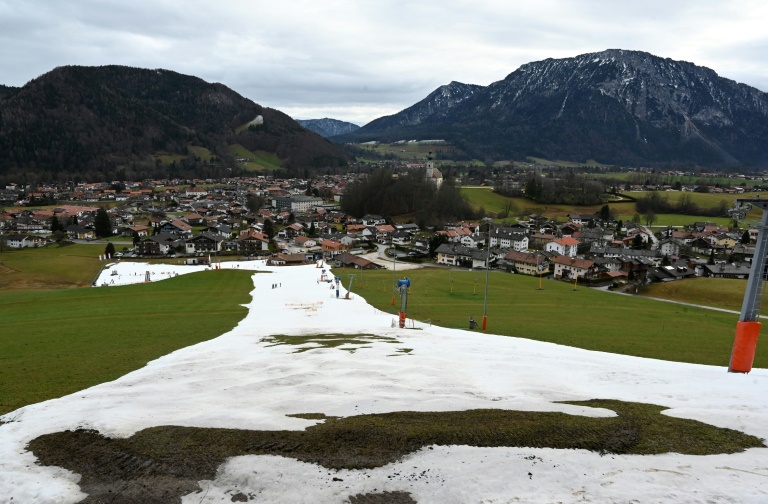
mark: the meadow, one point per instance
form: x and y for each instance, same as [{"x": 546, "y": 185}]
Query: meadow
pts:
[
  {"x": 493, "y": 203},
  {"x": 55, "y": 342},
  {"x": 255, "y": 160},
  {"x": 51, "y": 267},
  {"x": 564, "y": 314},
  {"x": 726, "y": 293}
]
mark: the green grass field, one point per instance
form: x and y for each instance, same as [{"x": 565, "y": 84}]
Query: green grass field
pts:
[
  {"x": 683, "y": 179},
  {"x": 583, "y": 318},
  {"x": 567, "y": 164},
  {"x": 724, "y": 293},
  {"x": 408, "y": 151},
  {"x": 55, "y": 342},
  {"x": 201, "y": 152},
  {"x": 493, "y": 203},
  {"x": 256, "y": 160},
  {"x": 51, "y": 267}
]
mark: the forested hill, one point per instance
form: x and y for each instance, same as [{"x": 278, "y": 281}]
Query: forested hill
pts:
[
  {"x": 101, "y": 123},
  {"x": 6, "y": 90}
]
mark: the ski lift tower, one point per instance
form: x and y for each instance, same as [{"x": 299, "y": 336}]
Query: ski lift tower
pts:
[
  {"x": 748, "y": 327},
  {"x": 402, "y": 286}
]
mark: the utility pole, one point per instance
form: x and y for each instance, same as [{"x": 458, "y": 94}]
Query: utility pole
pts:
[
  {"x": 748, "y": 327},
  {"x": 487, "y": 264}
]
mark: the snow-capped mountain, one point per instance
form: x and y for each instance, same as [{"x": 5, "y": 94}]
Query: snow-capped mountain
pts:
[{"x": 615, "y": 106}]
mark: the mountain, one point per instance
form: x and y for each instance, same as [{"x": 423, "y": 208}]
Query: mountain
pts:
[
  {"x": 328, "y": 127},
  {"x": 6, "y": 90},
  {"x": 112, "y": 122},
  {"x": 614, "y": 106},
  {"x": 434, "y": 109}
]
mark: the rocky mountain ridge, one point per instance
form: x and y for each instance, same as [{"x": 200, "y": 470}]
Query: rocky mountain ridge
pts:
[
  {"x": 615, "y": 106},
  {"x": 327, "y": 127}
]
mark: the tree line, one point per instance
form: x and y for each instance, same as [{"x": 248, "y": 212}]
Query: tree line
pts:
[{"x": 408, "y": 195}]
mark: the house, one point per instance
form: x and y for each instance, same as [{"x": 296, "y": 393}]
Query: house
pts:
[
  {"x": 421, "y": 244},
  {"x": 283, "y": 259},
  {"x": 583, "y": 219},
  {"x": 296, "y": 203},
  {"x": 400, "y": 237},
  {"x": 75, "y": 231},
  {"x": 140, "y": 229},
  {"x": 203, "y": 243},
  {"x": 252, "y": 243},
  {"x": 194, "y": 219},
  {"x": 373, "y": 220},
  {"x": 538, "y": 240},
  {"x": 567, "y": 267},
  {"x": 453, "y": 254},
  {"x": 177, "y": 227},
  {"x": 727, "y": 270},
  {"x": 527, "y": 263},
  {"x": 410, "y": 228},
  {"x": 458, "y": 255},
  {"x": 566, "y": 246},
  {"x": 383, "y": 232},
  {"x": 670, "y": 247},
  {"x": 471, "y": 241},
  {"x": 220, "y": 230},
  {"x": 676, "y": 271},
  {"x": 348, "y": 260},
  {"x": 19, "y": 241},
  {"x": 508, "y": 238},
  {"x": 305, "y": 241},
  {"x": 159, "y": 244},
  {"x": 332, "y": 248}
]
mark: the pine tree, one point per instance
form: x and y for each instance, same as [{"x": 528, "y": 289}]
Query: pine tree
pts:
[{"x": 102, "y": 223}]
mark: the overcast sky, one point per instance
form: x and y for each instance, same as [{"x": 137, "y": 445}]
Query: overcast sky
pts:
[{"x": 359, "y": 60}]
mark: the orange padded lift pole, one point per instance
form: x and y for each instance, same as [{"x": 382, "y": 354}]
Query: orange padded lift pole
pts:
[
  {"x": 748, "y": 328},
  {"x": 744, "y": 346}
]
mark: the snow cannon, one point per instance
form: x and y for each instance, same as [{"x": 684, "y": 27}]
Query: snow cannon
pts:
[
  {"x": 402, "y": 286},
  {"x": 337, "y": 280}
]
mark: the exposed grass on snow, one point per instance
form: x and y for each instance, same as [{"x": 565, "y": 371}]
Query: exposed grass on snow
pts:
[
  {"x": 172, "y": 459},
  {"x": 311, "y": 342}
]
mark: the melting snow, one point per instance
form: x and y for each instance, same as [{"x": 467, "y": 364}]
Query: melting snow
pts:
[{"x": 237, "y": 381}]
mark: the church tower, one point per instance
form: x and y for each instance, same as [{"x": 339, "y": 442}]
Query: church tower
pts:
[{"x": 433, "y": 174}]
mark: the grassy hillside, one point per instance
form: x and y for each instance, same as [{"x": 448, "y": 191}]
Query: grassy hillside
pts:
[
  {"x": 58, "y": 342},
  {"x": 255, "y": 160},
  {"x": 725, "y": 293},
  {"x": 414, "y": 152},
  {"x": 584, "y": 318}
]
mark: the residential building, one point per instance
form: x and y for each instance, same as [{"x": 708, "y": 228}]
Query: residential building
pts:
[{"x": 566, "y": 246}]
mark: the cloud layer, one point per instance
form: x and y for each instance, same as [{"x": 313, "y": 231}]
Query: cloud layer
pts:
[{"x": 357, "y": 61}]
